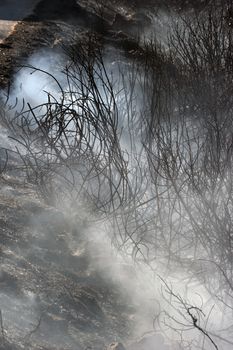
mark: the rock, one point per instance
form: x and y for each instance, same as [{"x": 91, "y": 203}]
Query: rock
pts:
[{"x": 116, "y": 346}]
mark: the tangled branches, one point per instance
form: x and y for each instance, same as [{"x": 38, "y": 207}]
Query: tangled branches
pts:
[
  {"x": 70, "y": 145},
  {"x": 170, "y": 189}
]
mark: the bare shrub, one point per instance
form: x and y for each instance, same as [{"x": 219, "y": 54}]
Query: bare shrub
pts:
[
  {"x": 171, "y": 194},
  {"x": 184, "y": 222},
  {"x": 69, "y": 145}
]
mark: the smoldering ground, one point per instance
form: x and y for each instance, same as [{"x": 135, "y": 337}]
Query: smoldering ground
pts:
[
  {"x": 144, "y": 265},
  {"x": 71, "y": 247},
  {"x": 53, "y": 242}
]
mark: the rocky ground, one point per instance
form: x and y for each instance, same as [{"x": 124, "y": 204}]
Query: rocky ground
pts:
[
  {"x": 57, "y": 288},
  {"x": 51, "y": 297}
]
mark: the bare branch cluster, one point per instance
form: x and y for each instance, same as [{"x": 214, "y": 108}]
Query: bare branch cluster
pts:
[{"x": 169, "y": 191}]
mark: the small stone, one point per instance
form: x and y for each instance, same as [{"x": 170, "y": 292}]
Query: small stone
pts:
[{"x": 116, "y": 346}]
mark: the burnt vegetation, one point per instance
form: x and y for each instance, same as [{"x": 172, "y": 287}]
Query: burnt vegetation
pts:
[{"x": 151, "y": 154}]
